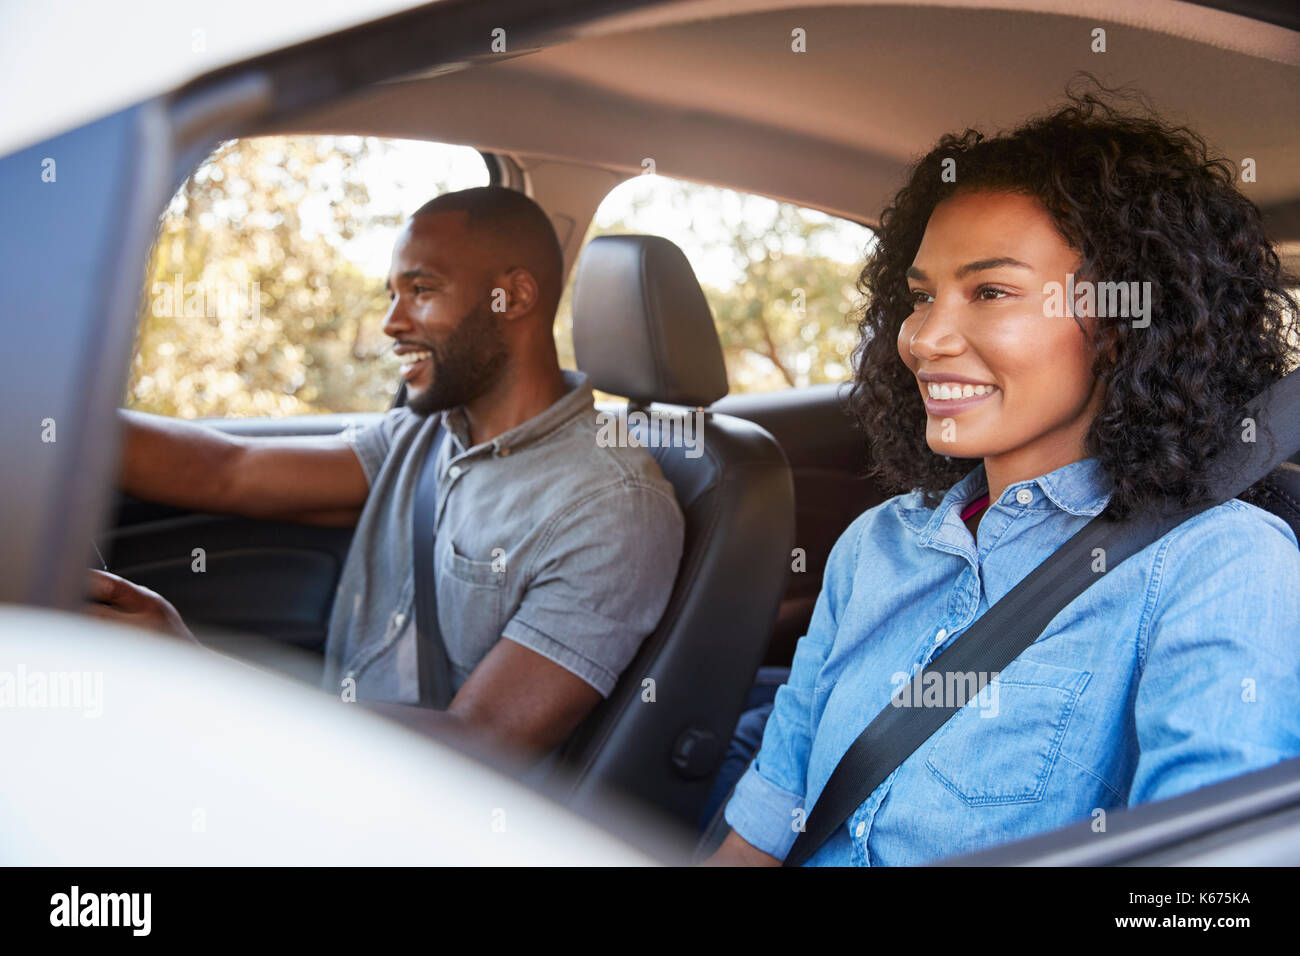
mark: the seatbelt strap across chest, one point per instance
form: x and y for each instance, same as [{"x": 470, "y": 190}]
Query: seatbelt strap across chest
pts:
[{"x": 430, "y": 650}]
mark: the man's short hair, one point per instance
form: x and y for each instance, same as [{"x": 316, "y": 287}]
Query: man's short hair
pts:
[{"x": 509, "y": 219}]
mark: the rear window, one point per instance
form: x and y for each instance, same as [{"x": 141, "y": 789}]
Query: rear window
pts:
[{"x": 779, "y": 278}]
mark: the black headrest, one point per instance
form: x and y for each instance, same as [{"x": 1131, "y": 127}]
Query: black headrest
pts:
[{"x": 641, "y": 325}]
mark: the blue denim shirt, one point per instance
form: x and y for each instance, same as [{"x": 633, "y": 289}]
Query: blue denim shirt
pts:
[{"x": 1177, "y": 668}]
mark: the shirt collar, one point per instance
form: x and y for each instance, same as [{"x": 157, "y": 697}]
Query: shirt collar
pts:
[
  {"x": 1079, "y": 488},
  {"x": 578, "y": 399}
]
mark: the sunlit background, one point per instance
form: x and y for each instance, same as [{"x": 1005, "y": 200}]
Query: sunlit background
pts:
[{"x": 265, "y": 291}]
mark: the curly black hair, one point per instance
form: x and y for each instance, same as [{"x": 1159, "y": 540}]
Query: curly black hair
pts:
[{"x": 1138, "y": 198}]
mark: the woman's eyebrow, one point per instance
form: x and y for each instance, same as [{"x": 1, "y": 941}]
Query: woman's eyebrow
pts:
[{"x": 979, "y": 265}]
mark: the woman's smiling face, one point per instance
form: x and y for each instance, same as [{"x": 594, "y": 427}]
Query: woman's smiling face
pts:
[{"x": 979, "y": 316}]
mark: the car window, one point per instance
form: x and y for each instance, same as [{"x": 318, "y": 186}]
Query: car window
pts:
[
  {"x": 265, "y": 290},
  {"x": 779, "y": 278}
]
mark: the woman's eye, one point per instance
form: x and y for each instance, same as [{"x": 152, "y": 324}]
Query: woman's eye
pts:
[
  {"x": 919, "y": 297},
  {"x": 990, "y": 293}
]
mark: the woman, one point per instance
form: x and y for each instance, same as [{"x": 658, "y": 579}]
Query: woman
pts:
[{"x": 987, "y": 336}]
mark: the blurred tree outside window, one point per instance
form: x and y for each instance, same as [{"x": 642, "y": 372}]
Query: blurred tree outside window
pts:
[
  {"x": 264, "y": 294},
  {"x": 780, "y": 278}
]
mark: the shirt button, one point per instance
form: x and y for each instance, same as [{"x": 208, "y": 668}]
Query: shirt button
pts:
[
  {"x": 938, "y": 638},
  {"x": 1024, "y": 496},
  {"x": 454, "y": 471},
  {"x": 399, "y": 619},
  {"x": 862, "y": 828}
]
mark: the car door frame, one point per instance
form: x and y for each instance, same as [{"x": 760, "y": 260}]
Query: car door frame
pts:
[{"x": 72, "y": 258}]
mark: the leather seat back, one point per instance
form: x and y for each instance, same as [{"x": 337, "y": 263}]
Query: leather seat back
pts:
[{"x": 643, "y": 329}]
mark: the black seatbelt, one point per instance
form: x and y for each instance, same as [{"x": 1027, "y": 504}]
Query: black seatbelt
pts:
[
  {"x": 1018, "y": 619},
  {"x": 430, "y": 651}
]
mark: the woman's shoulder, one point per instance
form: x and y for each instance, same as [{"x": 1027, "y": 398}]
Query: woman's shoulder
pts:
[
  {"x": 875, "y": 527},
  {"x": 1234, "y": 527},
  {"x": 1224, "y": 599},
  {"x": 1233, "y": 550}
]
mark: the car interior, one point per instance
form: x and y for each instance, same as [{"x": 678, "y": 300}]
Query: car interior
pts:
[{"x": 713, "y": 93}]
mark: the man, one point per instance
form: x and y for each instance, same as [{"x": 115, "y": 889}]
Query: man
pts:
[{"x": 554, "y": 556}]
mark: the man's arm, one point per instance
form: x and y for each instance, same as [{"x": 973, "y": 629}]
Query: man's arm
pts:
[
  {"x": 521, "y": 702},
  {"x": 311, "y": 480},
  {"x": 591, "y": 603}
]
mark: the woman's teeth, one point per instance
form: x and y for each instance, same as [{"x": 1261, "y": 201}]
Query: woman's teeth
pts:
[{"x": 945, "y": 391}]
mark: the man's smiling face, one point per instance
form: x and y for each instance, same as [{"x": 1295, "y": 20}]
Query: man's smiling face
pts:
[
  {"x": 979, "y": 320},
  {"x": 440, "y": 314}
]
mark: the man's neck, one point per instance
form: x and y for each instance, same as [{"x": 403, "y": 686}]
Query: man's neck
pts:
[{"x": 520, "y": 394}]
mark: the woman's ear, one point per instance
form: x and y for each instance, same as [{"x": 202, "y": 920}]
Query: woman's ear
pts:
[
  {"x": 1112, "y": 350},
  {"x": 1092, "y": 328}
]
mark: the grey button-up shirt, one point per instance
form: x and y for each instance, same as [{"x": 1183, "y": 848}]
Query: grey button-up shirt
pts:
[{"x": 544, "y": 537}]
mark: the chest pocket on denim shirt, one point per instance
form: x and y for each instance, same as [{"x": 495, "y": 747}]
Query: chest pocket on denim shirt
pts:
[
  {"x": 469, "y": 606},
  {"x": 1008, "y": 756}
]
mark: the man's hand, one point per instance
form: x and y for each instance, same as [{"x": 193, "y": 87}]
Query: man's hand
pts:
[{"x": 127, "y": 603}]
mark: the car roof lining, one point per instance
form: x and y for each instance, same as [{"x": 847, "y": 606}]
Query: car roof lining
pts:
[{"x": 722, "y": 100}]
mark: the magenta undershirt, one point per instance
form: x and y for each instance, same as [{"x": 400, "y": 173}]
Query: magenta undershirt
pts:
[{"x": 975, "y": 506}]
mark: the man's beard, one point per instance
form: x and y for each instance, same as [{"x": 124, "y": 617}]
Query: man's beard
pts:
[{"x": 465, "y": 366}]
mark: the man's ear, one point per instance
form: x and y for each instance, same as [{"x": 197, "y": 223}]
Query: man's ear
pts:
[{"x": 516, "y": 294}]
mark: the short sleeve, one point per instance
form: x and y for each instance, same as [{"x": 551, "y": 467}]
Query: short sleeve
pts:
[
  {"x": 769, "y": 799},
  {"x": 372, "y": 443},
  {"x": 601, "y": 583},
  {"x": 1219, "y": 694}
]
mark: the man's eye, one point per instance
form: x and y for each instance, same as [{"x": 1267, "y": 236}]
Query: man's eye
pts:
[{"x": 421, "y": 289}]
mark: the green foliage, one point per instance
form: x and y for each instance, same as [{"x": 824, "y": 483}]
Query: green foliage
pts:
[
  {"x": 269, "y": 215},
  {"x": 787, "y": 320}
]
